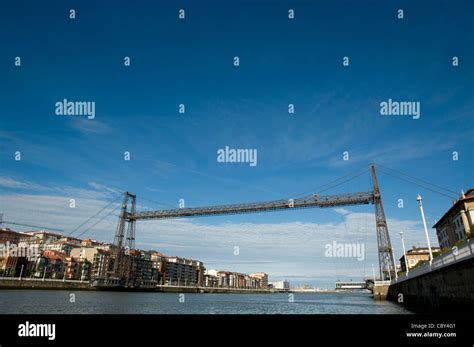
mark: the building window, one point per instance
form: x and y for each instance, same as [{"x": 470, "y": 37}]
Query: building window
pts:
[{"x": 460, "y": 234}]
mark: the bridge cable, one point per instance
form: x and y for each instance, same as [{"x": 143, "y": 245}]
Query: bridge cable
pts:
[
  {"x": 419, "y": 179},
  {"x": 157, "y": 203},
  {"x": 418, "y": 184},
  {"x": 109, "y": 223},
  {"x": 319, "y": 188},
  {"x": 100, "y": 220},
  {"x": 96, "y": 214},
  {"x": 347, "y": 180},
  {"x": 32, "y": 226}
]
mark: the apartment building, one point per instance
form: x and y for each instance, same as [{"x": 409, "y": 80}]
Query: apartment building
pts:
[
  {"x": 457, "y": 223},
  {"x": 182, "y": 271},
  {"x": 415, "y": 255}
]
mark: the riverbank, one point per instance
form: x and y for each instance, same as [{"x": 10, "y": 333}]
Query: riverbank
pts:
[
  {"x": 14, "y": 283},
  {"x": 39, "y": 284}
]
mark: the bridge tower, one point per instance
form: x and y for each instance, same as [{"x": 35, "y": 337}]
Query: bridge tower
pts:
[
  {"x": 386, "y": 261},
  {"x": 126, "y": 219}
]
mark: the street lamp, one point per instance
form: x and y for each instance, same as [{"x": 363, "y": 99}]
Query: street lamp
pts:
[
  {"x": 404, "y": 253},
  {"x": 420, "y": 201}
]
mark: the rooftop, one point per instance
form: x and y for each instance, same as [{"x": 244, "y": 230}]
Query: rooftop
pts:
[{"x": 36, "y": 232}]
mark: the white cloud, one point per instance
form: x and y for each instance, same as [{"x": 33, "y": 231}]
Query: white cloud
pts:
[{"x": 341, "y": 211}]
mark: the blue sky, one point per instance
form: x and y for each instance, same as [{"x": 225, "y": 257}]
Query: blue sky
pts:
[{"x": 174, "y": 155}]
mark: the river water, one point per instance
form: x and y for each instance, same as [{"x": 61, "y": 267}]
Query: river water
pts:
[{"x": 62, "y": 302}]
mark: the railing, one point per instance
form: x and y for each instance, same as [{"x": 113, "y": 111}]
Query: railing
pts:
[
  {"x": 210, "y": 287},
  {"x": 350, "y": 285},
  {"x": 203, "y": 287},
  {"x": 42, "y": 279},
  {"x": 463, "y": 252}
]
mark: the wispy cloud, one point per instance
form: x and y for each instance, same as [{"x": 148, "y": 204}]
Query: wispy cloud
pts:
[
  {"x": 395, "y": 152},
  {"x": 8, "y": 182},
  {"x": 90, "y": 126},
  {"x": 214, "y": 177},
  {"x": 103, "y": 188},
  {"x": 99, "y": 191}
]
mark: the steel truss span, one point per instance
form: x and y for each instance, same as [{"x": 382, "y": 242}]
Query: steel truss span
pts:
[{"x": 298, "y": 203}]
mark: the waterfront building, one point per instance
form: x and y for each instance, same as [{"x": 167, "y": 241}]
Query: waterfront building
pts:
[
  {"x": 252, "y": 282},
  {"x": 279, "y": 285},
  {"x": 223, "y": 278},
  {"x": 70, "y": 240},
  {"x": 29, "y": 245},
  {"x": 68, "y": 258},
  {"x": 182, "y": 271},
  {"x": 231, "y": 279},
  {"x": 38, "y": 267},
  {"x": 102, "y": 264},
  {"x": 12, "y": 266},
  {"x": 104, "y": 246},
  {"x": 44, "y": 237},
  {"x": 138, "y": 269},
  {"x": 237, "y": 280},
  {"x": 457, "y": 223},
  {"x": 261, "y": 279},
  {"x": 211, "y": 272},
  {"x": 60, "y": 246},
  {"x": 86, "y": 242},
  {"x": 86, "y": 253},
  {"x": 89, "y": 242},
  {"x": 210, "y": 280},
  {"x": 77, "y": 269},
  {"x": 72, "y": 269},
  {"x": 157, "y": 263},
  {"x": 55, "y": 264},
  {"x": 8, "y": 235},
  {"x": 415, "y": 255}
]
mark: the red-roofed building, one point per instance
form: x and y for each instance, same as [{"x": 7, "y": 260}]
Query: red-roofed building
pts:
[{"x": 54, "y": 255}]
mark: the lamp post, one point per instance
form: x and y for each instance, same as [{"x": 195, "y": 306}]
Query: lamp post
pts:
[
  {"x": 404, "y": 253},
  {"x": 420, "y": 201}
]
